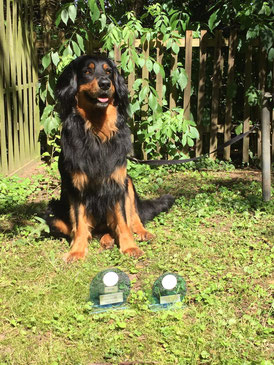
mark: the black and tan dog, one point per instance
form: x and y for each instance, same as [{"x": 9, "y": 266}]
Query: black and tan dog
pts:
[{"x": 96, "y": 190}]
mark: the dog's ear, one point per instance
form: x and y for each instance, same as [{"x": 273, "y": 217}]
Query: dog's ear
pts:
[
  {"x": 66, "y": 87},
  {"x": 121, "y": 91}
]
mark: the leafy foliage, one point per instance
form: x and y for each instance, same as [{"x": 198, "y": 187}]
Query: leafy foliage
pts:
[
  {"x": 90, "y": 24},
  {"x": 145, "y": 108}
]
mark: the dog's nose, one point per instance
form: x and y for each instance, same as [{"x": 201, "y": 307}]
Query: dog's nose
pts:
[{"x": 104, "y": 83}]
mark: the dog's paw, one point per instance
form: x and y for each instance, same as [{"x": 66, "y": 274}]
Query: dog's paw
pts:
[
  {"x": 134, "y": 251},
  {"x": 107, "y": 242},
  {"x": 145, "y": 236},
  {"x": 74, "y": 256}
]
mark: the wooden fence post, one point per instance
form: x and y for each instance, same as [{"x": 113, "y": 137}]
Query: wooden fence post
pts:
[
  {"x": 216, "y": 84},
  {"x": 201, "y": 92},
  {"x": 261, "y": 87},
  {"x": 248, "y": 67},
  {"x": 188, "y": 64},
  {"x": 159, "y": 78},
  {"x": 229, "y": 96}
]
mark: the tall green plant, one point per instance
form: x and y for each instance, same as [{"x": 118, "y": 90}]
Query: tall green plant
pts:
[{"x": 145, "y": 108}]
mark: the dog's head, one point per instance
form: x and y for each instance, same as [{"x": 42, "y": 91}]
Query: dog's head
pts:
[{"x": 95, "y": 81}]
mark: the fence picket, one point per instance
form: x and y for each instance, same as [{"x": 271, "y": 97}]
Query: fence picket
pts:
[
  {"x": 248, "y": 69},
  {"x": 19, "y": 112},
  {"x": 188, "y": 64},
  {"x": 159, "y": 78},
  {"x": 229, "y": 96},
  {"x": 201, "y": 92},
  {"x": 216, "y": 84},
  {"x": 261, "y": 87},
  {"x": 3, "y": 131}
]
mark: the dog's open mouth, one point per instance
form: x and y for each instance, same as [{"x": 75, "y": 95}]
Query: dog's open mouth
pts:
[{"x": 102, "y": 100}]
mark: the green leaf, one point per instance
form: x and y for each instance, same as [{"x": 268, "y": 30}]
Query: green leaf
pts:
[
  {"x": 190, "y": 142},
  {"x": 271, "y": 55},
  {"x": 182, "y": 79},
  {"x": 102, "y": 3},
  {"x": 156, "y": 67},
  {"x": 65, "y": 16},
  {"x": 51, "y": 124},
  {"x": 239, "y": 129},
  {"x": 47, "y": 111},
  {"x": 143, "y": 93},
  {"x": 213, "y": 22},
  {"x": 76, "y": 48},
  {"x": 103, "y": 21},
  {"x": 68, "y": 51},
  {"x": 46, "y": 60},
  {"x": 134, "y": 107},
  {"x": 137, "y": 84},
  {"x": 94, "y": 10},
  {"x": 72, "y": 12},
  {"x": 141, "y": 62},
  {"x": 152, "y": 101},
  {"x": 149, "y": 65},
  {"x": 193, "y": 132},
  {"x": 80, "y": 42},
  {"x": 55, "y": 58},
  {"x": 175, "y": 48}
]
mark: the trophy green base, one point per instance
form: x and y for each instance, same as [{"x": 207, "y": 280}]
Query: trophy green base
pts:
[
  {"x": 109, "y": 290},
  {"x": 168, "y": 292}
]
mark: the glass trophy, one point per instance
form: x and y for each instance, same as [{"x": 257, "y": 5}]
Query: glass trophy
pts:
[
  {"x": 168, "y": 290},
  {"x": 109, "y": 289}
]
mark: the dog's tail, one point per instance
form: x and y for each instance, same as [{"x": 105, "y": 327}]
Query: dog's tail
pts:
[
  {"x": 57, "y": 217},
  {"x": 148, "y": 209}
]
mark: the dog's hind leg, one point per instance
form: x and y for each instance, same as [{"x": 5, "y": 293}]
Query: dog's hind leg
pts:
[
  {"x": 135, "y": 221},
  {"x": 61, "y": 226},
  {"x": 116, "y": 220},
  {"x": 81, "y": 226}
]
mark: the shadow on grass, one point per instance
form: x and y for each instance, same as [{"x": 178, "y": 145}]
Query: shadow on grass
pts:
[{"x": 20, "y": 215}]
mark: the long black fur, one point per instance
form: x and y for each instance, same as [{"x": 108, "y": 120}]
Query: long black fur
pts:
[{"x": 83, "y": 151}]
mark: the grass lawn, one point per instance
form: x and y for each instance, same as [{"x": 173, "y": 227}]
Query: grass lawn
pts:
[{"x": 218, "y": 236}]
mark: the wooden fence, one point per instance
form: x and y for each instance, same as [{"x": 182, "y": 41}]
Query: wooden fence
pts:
[
  {"x": 218, "y": 79},
  {"x": 19, "y": 112},
  {"x": 213, "y": 65}
]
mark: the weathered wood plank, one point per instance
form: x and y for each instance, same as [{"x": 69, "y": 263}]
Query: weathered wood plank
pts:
[
  {"x": 248, "y": 69},
  {"x": 30, "y": 79},
  {"x": 8, "y": 82},
  {"x": 117, "y": 55},
  {"x": 145, "y": 78},
  {"x": 13, "y": 61},
  {"x": 216, "y": 84},
  {"x": 159, "y": 78},
  {"x": 261, "y": 87},
  {"x": 229, "y": 97},
  {"x": 18, "y": 47},
  {"x": 188, "y": 67},
  {"x": 26, "y": 85},
  {"x": 201, "y": 92},
  {"x": 4, "y": 160},
  {"x": 34, "y": 63}
]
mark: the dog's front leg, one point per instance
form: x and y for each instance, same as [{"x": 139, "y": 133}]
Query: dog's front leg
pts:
[
  {"x": 118, "y": 224},
  {"x": 81, "y": 228}
]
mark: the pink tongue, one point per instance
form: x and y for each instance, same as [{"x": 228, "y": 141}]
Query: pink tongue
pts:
[{"x": 103, "y": 100}]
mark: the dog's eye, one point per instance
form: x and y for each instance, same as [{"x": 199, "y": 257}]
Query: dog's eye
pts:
[{"x": 108, "y": 71}]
